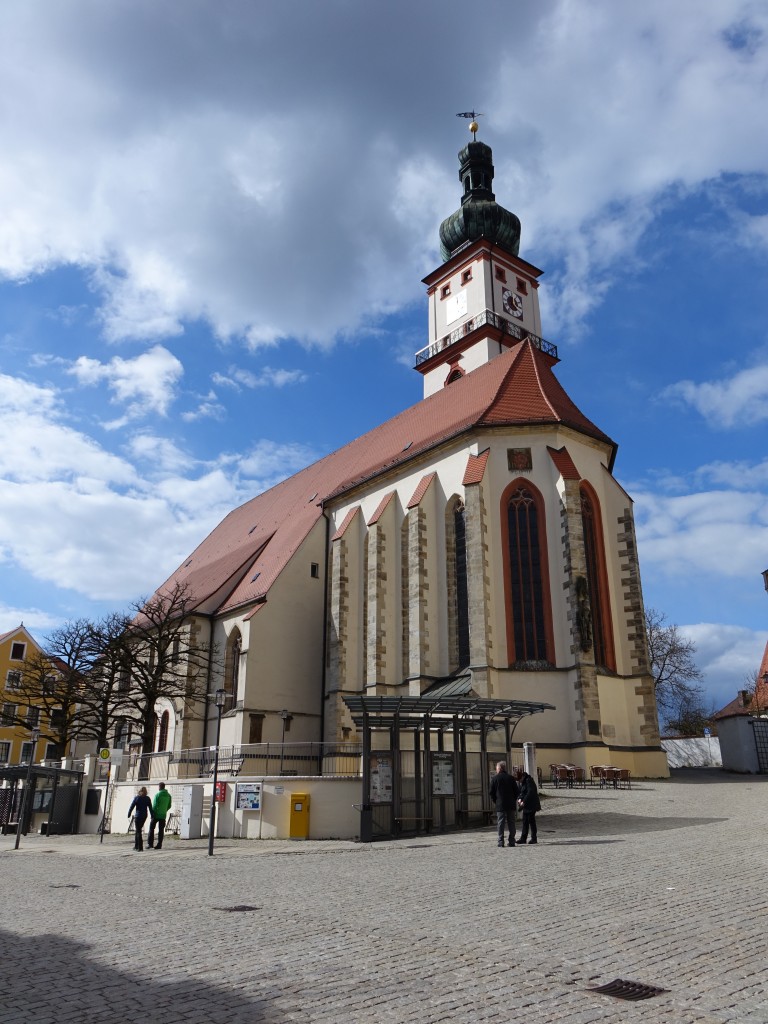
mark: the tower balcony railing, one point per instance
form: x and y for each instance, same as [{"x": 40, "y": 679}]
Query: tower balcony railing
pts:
[{"x": 484, "y": 319}]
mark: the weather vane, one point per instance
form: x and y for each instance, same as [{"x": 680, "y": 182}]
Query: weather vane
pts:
[{"x": 473, "y": 116}]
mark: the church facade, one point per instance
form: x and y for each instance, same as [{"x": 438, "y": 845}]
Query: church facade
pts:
[{"x": 478, "y": 542}]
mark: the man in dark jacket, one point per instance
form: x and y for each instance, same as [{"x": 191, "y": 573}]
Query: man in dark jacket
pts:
[
  {"x": 530, "y": 803},
  {"x": 504, "y": 795}
]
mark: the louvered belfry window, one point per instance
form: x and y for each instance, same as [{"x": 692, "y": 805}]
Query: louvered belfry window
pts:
[{"x": 525, "y": 570}]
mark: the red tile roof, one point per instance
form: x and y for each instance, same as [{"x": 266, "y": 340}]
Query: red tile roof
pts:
[
  {"x": 380, "y": 509},
  {"x": 347, "y": 520},
  {"x": 516, "y": 388},
  {"x": 565, "y": 464},
  {"x": 475, "y": 470},
  {"x": 758, "y": 704},
  {"x": 421, "y": 490}
]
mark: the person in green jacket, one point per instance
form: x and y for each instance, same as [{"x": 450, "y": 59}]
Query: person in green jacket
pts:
[{"x": 160, "y": 807}]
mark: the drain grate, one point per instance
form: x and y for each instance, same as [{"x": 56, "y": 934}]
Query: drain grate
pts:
[
  {"x": 69, "y": 886},
  {"x": 632, "y": 990},
  {"x": 239, "y": 908}
]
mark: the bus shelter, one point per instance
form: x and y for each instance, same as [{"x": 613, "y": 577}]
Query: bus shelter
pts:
[
  {"x": 427, "y": 760},
  {"x": 54, "y": 793}
]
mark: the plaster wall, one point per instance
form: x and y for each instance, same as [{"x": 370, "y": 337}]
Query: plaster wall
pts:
[
  {"x": 737, "y": 744},
  {"x": 331, "y": 811}
]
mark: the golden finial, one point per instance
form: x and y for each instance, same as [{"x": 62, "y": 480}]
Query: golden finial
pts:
[{"x": 473, "y": 126}]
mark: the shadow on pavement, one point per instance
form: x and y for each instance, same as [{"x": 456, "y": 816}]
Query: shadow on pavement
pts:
[
  {"x": 618, "y": 824},
  {"x": 45, "y": 973},
  {"x": 712, "y": 776}
]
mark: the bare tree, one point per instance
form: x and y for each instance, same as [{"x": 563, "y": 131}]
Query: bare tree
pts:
[
  {"x": 166, "y": 657},
  {"x": 673, "y": 667},
  {"x": 52, "y": 680},
  {"x": 756, "y": 693},
  {"x": 102, "y": 701}
]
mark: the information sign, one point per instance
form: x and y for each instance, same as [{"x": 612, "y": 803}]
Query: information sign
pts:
[
  {"x": 381, "y": 778},
  {"x": 442, "y": 774},
  {"x": 248, "y": 796}
]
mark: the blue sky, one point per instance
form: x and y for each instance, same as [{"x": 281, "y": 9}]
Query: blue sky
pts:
[{"x": 217, "y": 218}]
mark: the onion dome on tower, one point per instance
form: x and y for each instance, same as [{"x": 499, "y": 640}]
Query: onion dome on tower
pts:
[{"x": 479, "y": 216}]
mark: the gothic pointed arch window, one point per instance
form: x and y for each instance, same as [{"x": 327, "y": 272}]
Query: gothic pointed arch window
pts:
[
  {"x": 597, "y": 580},
  {"x": 458, "y": 591},
  {"x": 232, "y": 664},
  {"x": 162, "y": 732},
  {"x": 526, "y": 576}
]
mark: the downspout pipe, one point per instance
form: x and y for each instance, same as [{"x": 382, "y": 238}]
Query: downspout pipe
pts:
[{"x": 325, "y": 627}]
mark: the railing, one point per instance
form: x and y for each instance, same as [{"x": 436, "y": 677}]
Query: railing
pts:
[
  {"x": 481, "y": 320},
  {"x": 262, "y": 759}
]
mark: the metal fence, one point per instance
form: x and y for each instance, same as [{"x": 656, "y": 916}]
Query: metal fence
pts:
[{"x": 261, "y": 759}]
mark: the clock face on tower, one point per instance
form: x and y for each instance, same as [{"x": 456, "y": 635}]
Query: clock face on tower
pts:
[{"x": 512, "y": 303}]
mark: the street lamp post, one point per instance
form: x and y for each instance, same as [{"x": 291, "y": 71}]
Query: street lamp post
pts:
[
  {"x": 35, "y": 736},
  {"x": 221, "y": 696}
]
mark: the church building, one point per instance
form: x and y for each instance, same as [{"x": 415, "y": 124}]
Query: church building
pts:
[{"x": 477, "y": 543}]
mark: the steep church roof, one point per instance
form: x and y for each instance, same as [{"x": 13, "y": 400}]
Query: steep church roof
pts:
[{"x": 242, "y": 557}]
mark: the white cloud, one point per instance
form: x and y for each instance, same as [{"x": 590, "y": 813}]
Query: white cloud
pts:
[
  {"x": 741, "y": 400},
  {"x": 721, "y": 532},
  {"x": 143, "y": 385},
  {"x": 36, "y": 621},
  {"x": 238, "y": 377},
  {"x": 192, "y": 190},
  {"x": 726, "y": 655},
  {"x": 73, "y": 515}
]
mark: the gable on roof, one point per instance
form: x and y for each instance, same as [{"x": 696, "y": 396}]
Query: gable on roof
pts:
[{"x": 242, "y": 557}]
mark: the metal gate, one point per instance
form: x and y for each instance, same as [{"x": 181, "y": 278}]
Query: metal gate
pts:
[{"x": 760, "y": 725}]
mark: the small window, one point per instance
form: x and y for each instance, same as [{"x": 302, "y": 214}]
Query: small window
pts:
[
  {"x": 175, "y": 650},
  {"x": 124, "y": 681},
  {"x": 5, "y": 752},
  {"x": 466, "y": 276},
  {"x": 454, "y": 376},
  {"x": 9, "y": 715},
  {"x": 13, "y": 680},
  {"x": 26, "y": 752},
  {"x": 522, "y": 287},
  {"x": 256, "y": 727},
  {"x": 122, "y": 734},
  {"x": 52, "y": 752},
  {"x": 314, "y": 570},
  {"x": 57, "y": 720},
  {"x": 33, "y": 718},
  {"x": 501, "y": 275},
  {"x": 49, "y": 685},
  {"x": 18, "y": 651},
  {"x": 445, "y": 291}
]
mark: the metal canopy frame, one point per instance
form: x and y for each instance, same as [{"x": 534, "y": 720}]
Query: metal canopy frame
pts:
[
  {"x": 423, "y": 716},
  {"x": 409, "y": 713}
]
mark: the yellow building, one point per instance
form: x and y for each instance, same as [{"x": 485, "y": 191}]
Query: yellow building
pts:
[{"x": 17, "y": 716}]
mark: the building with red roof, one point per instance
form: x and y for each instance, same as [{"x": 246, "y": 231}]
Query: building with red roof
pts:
[
  {"x": 742, "y": 726},
  {"x": 477, "y": 540}
]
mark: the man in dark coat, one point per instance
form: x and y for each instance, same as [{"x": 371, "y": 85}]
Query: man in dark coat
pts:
[
  {"x": 504, "y": 795},
  {"x": 530, "y": 803}
]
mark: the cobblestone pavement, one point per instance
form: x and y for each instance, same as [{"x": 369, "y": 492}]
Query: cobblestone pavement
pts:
[{"x": 663, "y": 884}]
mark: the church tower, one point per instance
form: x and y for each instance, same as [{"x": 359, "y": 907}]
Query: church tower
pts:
[
  {"x": 474, "y": 546},
  {"x": 484, "y": 298}
]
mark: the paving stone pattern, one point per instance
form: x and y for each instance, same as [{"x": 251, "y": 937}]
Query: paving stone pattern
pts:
[{"x": 663, "y": 884}]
